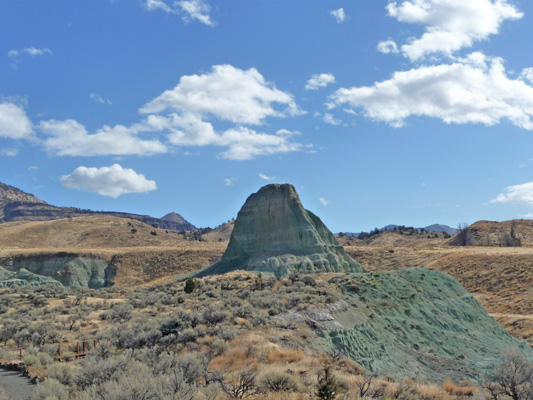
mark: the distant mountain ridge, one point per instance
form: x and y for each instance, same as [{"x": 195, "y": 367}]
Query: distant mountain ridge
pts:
[
  {"x": 17, "y": 205},
  {"x": 429, "y": 228}
]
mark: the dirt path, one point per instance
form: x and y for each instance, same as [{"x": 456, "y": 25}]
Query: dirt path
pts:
[{"x": 15, "y": 386}]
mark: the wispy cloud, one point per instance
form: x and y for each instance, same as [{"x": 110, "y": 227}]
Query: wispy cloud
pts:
[
  {"x": 99, "y": 99},
  {"x": 339, "y": 15},
  {"x": 266, "y": 177},
  {"x": 17, "y": 55},
  {"x": 188, "y": 10},
  {"x": 323, "y": 201},
  {"x": 229, "y": 181},
  {"x": 330, "y": 119},
  {"x": 9, "y": 152}
]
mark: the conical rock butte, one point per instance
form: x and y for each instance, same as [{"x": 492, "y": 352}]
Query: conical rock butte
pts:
[{"x": 274, "y": 233}]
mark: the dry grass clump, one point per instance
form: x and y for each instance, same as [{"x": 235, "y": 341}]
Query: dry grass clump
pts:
[
  {"x": 464, "y": 389},
  {"x": 284, "y": 355}
]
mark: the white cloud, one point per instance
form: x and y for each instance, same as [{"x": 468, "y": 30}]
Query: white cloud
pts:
[
  {"x": 319, "y": 80},
  {"x": 152, "y": 5},
  {"x": 33, "y": 168},
  {"x": 323, "y": 201},
  {"x": 31, "y": 51},
  {"x": 473, "y": 90},
  {"x": 227, "y": 93},
  {"x": 99, "y": 99},
  {"x": 266, "y": 177},
  {"x": 451, "y": 24},
  {"x": 9, "y": 152},
  {"x": 195, "y": 10},
  {"x": 246, "y": 144},
  {"x": 70, "y": 138},
  {"x": 14, "y": 123},
  {"x": 527, "y": 74},
  {"x": 229, "y": 181},
  {"x": 189, "y": 10},
  {"x": 528, "y": 215},
  {"x": 339, "y": 15},
  {"x": 387, "y": 46},
  {"x": 516, "y": 194},
  {"x": 112, "y": 181},
  {"x": 330, "y": 119},
  {"x": 182, "y": 115}
]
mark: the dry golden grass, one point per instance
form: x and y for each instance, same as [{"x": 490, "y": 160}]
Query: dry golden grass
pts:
[
  {"x": 466, "y": 389},
  {"x": 284, "y": 355}
]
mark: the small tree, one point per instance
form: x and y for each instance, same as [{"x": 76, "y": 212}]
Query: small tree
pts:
[
  {"x": 464, "y": 236},
  {"x": 191, "y": 285},
  {"x": 513, "y": 378},
  {"x": 327, "y": 386}
]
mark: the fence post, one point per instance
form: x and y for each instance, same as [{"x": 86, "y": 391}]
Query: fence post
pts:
[
  {"x": 20, "y": 353},
  {"x": 78, "y": 351},
  {"x": 59, "y": 351}
]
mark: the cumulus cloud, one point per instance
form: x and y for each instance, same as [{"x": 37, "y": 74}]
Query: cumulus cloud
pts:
[
  {"x": 323, "y": 201},
  {"x": 228, "y": 93},
  {"x": 451, "y": 25},
  {"x": 387, "y": 46},
  {"x": 266, "y": 177},
  {"x": 14, "y": 123},
  {"x": 246, "y": 144},
  {"x": 189, "y": 10},
  {"x": 229, "y": 181},
  {"x": 99, "y": 99},
  {"x": 319, "y": 80},
  {"x": 330, "y": 119},
  {"x": 70, "y": 138},
  {"x": 527, "y": 74},
  {"x": 516, "y": 194},
  {"x": 112, "y": 181},
  {"x": 472, "y": 90},
  {"x": 185, "y": 116},
  {"x": 339, "y": 15}
]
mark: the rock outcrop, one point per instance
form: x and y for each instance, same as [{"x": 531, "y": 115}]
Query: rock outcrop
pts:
[
  {"x": 73, "y": 270},
  {"x": 274, "y": 233}
]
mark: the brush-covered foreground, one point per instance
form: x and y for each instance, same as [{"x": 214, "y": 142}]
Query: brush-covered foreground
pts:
[{"x": 229, "y": 337}]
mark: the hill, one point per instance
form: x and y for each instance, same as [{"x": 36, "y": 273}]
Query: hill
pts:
[
  {"x": 491, "y": 233},
  {"x": 100, "y": 250},
  {"x": 274, "y": 233},
  {"x": 16, "y": 205},
  {"x": 221, "y": 233}
]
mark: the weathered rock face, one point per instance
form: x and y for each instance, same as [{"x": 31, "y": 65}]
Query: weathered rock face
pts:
[
  {"x": 274, "y": 233},
  {"x": 71, "y": 270}
]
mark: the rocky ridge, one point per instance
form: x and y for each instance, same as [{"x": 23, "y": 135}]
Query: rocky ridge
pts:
[{"x": 273, "y": 233}]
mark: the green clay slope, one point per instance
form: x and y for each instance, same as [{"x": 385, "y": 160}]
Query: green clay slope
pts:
[
  {"x": 414, "y": 323},
  {"x": 273, "y": 233},
  {"x": 71, "y": 270}
]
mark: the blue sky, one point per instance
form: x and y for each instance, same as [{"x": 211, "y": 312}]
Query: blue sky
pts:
[{"x": 407, "y": 112}]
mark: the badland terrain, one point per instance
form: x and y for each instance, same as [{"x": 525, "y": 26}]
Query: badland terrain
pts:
[{"x": 273, "y": 292}]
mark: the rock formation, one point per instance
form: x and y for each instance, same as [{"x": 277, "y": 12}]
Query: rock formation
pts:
[{"x": 274, "y": 233}]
